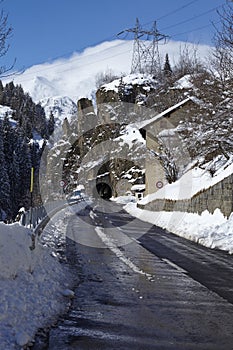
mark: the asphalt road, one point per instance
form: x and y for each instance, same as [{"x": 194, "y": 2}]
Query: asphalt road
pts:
[{"x": 143, "y": 288}]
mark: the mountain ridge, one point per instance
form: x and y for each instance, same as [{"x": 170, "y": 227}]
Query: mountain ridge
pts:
[{"x": 76, "y": 76}]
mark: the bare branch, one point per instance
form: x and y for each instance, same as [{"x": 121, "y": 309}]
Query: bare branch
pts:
[{"x": 5, "y": 34}]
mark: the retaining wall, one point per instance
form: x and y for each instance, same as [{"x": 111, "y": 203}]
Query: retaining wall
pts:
[{"x": 218, "y": 196}]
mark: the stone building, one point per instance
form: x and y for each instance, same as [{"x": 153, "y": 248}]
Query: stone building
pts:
[{"x": 163, "y": 127}]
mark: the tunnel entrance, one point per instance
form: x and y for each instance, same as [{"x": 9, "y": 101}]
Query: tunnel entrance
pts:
[{"x": 104, "y": 190}]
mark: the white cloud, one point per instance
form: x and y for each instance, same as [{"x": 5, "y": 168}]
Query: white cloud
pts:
[{"x": 75, "y": 76}]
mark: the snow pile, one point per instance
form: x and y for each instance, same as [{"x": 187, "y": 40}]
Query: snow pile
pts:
[
  {"x": 15, "y": 254},
  {"x": 132, "y": 79},
  {"x": 210, "y": 230},
  {"x": 32, "y": 284},
  {"x": 124, "y": 199},
  {"x": 184, "y": 82},
  {"x": 130, "y": 136}
]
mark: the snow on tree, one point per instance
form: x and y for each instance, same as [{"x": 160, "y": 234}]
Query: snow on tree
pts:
[{"x": 4, "y": 183}]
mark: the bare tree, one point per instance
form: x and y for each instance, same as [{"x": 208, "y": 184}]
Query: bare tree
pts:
[
  {"x": 5, "y": 33},
  {"x": 188, "y": 61},
  {"x": 224, "y": 36},
  {"x": 222, "y": 61},
  {"x": 105, "y": 77}
]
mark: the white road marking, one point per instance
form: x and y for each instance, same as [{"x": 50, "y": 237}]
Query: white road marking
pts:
[
  {"x": 178, "y": 268},
  {"x": 111, "y": 245}
]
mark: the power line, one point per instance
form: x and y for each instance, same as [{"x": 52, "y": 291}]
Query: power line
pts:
[
  {"x": 192, "y": 18},
  {"x": 177, "y": 10},
  {"x": 195, "y": 29},
  {"x": 104, "y": 59},
  {"x": 72, "y": 52},
  {"x": 114, "y": 36},
  {"x": 174, "y": 11}
]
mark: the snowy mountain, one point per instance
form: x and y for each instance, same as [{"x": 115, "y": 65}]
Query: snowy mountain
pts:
[
  {"x": 75, "y": 76},
  {"x": 61, "y": 106},
  {"x": 42, "y": 88}
]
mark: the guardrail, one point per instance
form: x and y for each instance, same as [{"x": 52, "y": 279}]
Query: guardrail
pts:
[
  {"x": 34, "y": 216},
  {"x": 37, "y": 218}
]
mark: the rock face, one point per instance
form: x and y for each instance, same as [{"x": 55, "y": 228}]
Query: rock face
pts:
[
  {"x": 104, "y": 154},
  {"x": 106, "y": 162},
  {"x": 86, "y": 115},
  {"x": 106, "y": 96},
  {"x": 126, "y": 94}
]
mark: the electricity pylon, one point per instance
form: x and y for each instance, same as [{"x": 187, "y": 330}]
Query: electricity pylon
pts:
[{"x": 146, "y": 57}]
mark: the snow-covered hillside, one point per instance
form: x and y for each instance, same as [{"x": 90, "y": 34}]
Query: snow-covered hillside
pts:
[
  {"x": 75, "y": 76},
  {"x": 61, "y": 106}
]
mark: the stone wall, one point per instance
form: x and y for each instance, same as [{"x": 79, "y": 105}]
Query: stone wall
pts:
[
  {"x": 217, "y": 196},
  {"x": 87, "y": 118}
]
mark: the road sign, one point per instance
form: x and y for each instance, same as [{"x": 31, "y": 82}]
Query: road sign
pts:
[{"x": 159, "y": 184}]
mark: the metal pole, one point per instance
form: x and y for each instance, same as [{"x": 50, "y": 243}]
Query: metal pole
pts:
[{"x": 31, "y": 191}]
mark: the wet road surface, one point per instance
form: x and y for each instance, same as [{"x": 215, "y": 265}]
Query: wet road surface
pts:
[{"x": 172, "y": 295}]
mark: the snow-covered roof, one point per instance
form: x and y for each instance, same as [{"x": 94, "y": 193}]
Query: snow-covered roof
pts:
[
  {"x": 80, "y": 188},
  {"x": 138, "y": 187},
  {"x": 184, "y": 82},
  {"x": 145, "y": 123}
]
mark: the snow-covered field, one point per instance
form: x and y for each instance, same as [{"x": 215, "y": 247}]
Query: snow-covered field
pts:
[{"x": 34, "y": 285}]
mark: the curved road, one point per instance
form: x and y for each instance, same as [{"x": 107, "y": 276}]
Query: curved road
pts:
[{"x": 143, "y": 288}]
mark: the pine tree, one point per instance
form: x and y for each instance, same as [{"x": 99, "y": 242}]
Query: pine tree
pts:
[
  {"x": 17, "y": 183},
  {"x": 167, "y": 70},
  {"x": 51, "y": 124},
  {"x": 8, "y": 140},
  {"x": 8, "y": 93},
  {"x": 25, "y": 172},
  {"x": 1, "y": 92},
  {"x": 4, "y": 183}
]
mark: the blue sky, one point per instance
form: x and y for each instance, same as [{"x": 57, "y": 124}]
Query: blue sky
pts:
[{"x": 47, "y": 29}]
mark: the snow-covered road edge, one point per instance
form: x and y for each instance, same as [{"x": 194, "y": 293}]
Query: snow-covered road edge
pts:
[{"x": 211, "y": 230}]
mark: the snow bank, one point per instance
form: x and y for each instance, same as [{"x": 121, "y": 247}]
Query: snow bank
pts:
[
  {"x": 210, "y": 230},
  {"x": 192, "y": 182},
  {"x": 15, "y": 254},
  {"x": 124, "y": 199},
  {"x": 31, "y": 286}
]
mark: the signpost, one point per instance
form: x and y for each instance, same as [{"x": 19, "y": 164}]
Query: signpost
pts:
[{"x": 31, "y": 192}]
